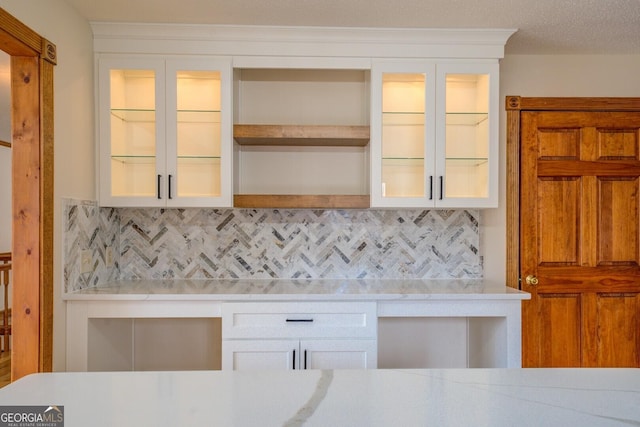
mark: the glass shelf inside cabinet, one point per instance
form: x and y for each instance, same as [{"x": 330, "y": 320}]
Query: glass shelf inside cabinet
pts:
[
  {"x": 467, "y": 161},
  {"x": 400, "y": 161},
  {"x": 466, "y": 119},
  {"x": 403, "y": 118},
  {"x": 134, "y": 160},
  {"x": 134, "y": 115},
  {"x": 198, "y": 159}
]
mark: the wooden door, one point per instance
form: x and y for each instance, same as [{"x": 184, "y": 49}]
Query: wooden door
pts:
[{"x": 580, "y": 238}]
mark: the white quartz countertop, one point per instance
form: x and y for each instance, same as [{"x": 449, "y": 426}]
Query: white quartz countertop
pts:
[
  {"x": 286, "y": 289},
  {"x": 368, "y": 398}
]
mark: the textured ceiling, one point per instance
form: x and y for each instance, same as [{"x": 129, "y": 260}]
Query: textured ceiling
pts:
[{"x": 544, "y": 26}]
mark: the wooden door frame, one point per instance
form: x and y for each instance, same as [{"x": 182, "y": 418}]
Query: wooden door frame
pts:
[
  {"x": 32, "y": 62},
  {"x": 514, "y": 106}
]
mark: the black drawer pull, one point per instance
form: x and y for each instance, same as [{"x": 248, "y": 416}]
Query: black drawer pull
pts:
[{"x": 300, "y": 320}]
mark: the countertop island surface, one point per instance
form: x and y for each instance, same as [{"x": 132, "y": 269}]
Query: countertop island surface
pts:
[
  {"x": 426, "y": 397},
  {"x": 294, "y": 289}
]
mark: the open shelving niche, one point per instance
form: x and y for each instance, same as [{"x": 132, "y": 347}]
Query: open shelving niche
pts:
[{"x": 301, "y": 138}]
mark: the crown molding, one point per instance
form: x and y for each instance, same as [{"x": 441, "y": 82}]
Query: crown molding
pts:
[{"x": 241, "y": 40}]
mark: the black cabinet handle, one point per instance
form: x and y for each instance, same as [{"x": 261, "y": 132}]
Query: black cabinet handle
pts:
[
  {"x": 431, "y": 187},
  {"x": 305, "y": 359},
  {"x": 159, "y": 179},
  {"x": 294, "y": 359},
  {"x": 299, "y": 320},
  {"x": 170, "y": 177},
  {"x": 441, "y": 187}
]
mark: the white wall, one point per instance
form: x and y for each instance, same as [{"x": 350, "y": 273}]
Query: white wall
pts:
[
  {"x": 549, "y": 75},
  {"x": 73, "y": 122}
]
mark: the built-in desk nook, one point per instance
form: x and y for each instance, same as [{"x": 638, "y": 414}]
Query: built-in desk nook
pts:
[
  {"x": 293, "y": 324},
  {"x": 374, "y": 148}
]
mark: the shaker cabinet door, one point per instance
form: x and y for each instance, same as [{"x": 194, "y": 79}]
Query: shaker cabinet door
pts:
[
  {"x": 339, "y": 354},
  {"x": 260, "y": 354},
  {"x": 296, "y": 355}
]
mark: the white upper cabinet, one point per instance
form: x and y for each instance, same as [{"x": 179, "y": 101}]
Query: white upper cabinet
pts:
[
  {"x": 434, "y": 134},
  {"x": 295, "y": 117},
  {"x": 165, "y": 132}
]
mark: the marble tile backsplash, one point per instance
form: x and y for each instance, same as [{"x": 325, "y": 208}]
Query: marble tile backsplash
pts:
[
  {"x": 88, "y": 227},
  {"x": 195, "y": 243}
]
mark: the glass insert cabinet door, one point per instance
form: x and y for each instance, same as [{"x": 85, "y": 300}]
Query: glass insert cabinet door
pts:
[
  {"x": 468, "y": 170},
  {"x": 402, "y": 134},
  {"x": 434, "y": 136},
  {"x": 130, "y": 132},
  {"x": 199, "y": 133},
  {"x": 162, "y": 137}
]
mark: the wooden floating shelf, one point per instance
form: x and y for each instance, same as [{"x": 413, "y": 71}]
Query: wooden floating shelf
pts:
[
  {"x": 302, "y": 135},
  {"x": 304, "y": 201}
]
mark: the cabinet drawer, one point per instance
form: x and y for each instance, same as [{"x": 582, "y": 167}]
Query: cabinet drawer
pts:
[{"x": 299, "y": 320}]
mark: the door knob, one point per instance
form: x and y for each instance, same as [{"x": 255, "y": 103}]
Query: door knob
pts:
[{"x": 531, "y": 280}]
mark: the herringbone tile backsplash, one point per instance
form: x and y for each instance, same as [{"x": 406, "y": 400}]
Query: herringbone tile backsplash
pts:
[
  {"x": 270, "y": 243},
  {"x": 88, "y": 227}
]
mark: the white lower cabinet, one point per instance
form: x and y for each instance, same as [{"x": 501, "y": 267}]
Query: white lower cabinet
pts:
[
  {"x": 299, "y": 354},
  {"x": 112, "y": 333},
  {"x": 299, "y": 335}
]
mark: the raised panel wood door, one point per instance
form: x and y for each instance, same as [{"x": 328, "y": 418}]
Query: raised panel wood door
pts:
[{"x": 580, "y": 238}]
